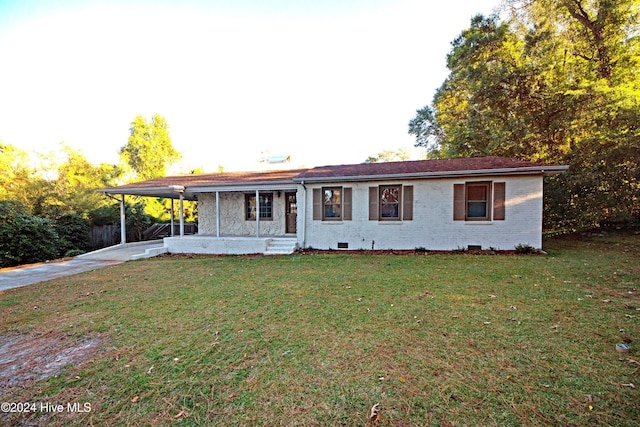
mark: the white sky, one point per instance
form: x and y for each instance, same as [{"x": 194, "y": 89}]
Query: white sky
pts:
[{"x": 325, "y": 81}]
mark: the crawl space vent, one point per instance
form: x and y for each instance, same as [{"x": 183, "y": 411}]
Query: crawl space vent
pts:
[{"x": 343, "y": 245}]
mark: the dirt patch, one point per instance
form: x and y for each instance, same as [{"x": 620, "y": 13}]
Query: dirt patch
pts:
[{"x": 29, "y": 358}]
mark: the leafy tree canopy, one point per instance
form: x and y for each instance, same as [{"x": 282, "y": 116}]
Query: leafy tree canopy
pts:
[
  {"x": 149, "y": 151},
  {"x": 556, "y": 81},
  {"x": 390, "y": 156}
]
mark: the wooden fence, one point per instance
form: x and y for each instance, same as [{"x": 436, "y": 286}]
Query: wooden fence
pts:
[{"x": 104, "y": 235}]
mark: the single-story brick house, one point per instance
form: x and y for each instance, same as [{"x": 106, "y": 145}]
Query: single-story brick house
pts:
[{"x": 485, "y": 202}]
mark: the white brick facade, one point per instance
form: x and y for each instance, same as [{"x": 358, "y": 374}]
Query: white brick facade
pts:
[{"x": 432, "y": 226}]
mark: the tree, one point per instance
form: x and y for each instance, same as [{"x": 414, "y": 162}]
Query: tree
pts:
[
  {"x": 16, "y": 176},
  {"x": 556, "y": 82},
  {"x": 149, "y": 151},
  {"x": 390, "y": 156}
]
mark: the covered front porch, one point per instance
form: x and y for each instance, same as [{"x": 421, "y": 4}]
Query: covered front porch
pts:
[{"x": 238, "y": 213}]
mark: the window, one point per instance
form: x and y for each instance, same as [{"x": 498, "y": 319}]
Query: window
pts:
[
  {"x": 390, "y": 202},
  {"x": 265, "y": 206},
  {"x": 479, "y": 201},
  {"x": 332, "y": 203}
]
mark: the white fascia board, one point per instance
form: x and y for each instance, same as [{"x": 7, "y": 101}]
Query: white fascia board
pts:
[
  {"x": 240, "y": 187},
  {"x": 170, "y": 192},
  {"x": 533, "y": 170}
]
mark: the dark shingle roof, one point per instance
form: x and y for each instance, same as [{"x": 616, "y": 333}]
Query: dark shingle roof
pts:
[
  {"x": 425, "y": 168},
  {"x": 189, "y": 185}
]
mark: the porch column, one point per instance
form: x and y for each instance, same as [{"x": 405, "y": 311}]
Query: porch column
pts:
[
  {"x": 257, "y": 213},
  {"x": 172, "y": 215},
  {"x": 217, "y": 214},
  {"x": 181, "y": 215},
  {"x": 123, "y": 230}
]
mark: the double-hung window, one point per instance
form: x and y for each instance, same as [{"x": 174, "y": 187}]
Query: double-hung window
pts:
[
  {"x": 391, "y": 203},
  {"x": 332, "y": 203},
  {"x": 264, "y": 206},
  {"x": 479, "y": 201}
]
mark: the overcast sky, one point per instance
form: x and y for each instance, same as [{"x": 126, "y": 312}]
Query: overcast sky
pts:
[{"x": 324, "y": 81}]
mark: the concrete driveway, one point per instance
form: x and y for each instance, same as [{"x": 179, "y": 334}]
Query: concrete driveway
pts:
[{"x": 35, "y": 273}]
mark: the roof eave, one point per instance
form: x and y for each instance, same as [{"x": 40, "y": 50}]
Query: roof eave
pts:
[
  {"x": 530, "y": 170},
  {"x": 243, "y": 186},
  {"x": 169, "y": 192}
]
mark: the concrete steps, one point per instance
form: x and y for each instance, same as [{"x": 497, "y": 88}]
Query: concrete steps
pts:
[{"x": 281, "y": 246}]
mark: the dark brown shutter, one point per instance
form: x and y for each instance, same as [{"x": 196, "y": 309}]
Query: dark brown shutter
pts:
[
  {"x": 346, "y": 204},
  {"x": 458, "y": 202},
  {"x": 498, "y": 200},
  {"x": 317, "y": 204},
  {"x": 373, "y": 203},
  {"x": 407, "y": 203}
]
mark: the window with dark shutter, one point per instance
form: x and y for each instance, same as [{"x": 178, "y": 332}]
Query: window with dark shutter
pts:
[
  {"x": 373, "y": 203},
  {"x": 317, "y": 204},
  {"x": 407, "y": 203},
  {"x": 499, "y": 195},
  {"x": 478, "y": 201},
  {"x": 459, "y": 210},
  {"x": 346, "y": 204}
]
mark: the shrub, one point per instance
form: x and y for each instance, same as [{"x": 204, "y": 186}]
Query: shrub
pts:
[
  {"x": 524, "y": 249},
  {"x": 74, "y": 252},
  {"x": 73, "y": 231},
  {"x": 25, "y": 238}
]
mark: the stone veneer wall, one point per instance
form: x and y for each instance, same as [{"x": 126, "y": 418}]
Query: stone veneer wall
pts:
[{"x": 232, "y": 216}]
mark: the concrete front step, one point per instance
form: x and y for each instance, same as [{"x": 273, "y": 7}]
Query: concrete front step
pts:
[
  {"x": 150, "y": 253},
  {"x": 281, "y": 246}
]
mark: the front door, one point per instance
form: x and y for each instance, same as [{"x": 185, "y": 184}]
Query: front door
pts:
[{"x": 291, "y": 213}]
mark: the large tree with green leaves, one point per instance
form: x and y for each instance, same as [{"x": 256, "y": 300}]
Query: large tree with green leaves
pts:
[
  {"x": 557, "y": 81},
  {"x": 149, "y": 151}
]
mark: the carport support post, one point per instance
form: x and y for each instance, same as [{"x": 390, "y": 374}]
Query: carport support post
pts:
[
  {"x": 123, "y": 230},
  {"x": 257, "y": 213},
  {"x": 217, "y": 214},
  {"x": 181, "y": 215},
  {"x": 172, "y": 215}
]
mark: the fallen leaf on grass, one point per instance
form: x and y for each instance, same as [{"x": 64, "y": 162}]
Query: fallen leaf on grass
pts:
[
  {"x": 374, "y": 413},
  {"x": 135, "y": 399},
  {"x": 630, "y": 385},
  {"x": 150, "y": 370},
  {"x": 424, "y": 294}
]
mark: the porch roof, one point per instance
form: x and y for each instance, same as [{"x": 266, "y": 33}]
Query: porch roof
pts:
[{"x": 189, "y": 186}]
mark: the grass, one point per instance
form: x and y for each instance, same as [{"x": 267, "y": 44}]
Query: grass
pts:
[{"x": 317, "y": 340}]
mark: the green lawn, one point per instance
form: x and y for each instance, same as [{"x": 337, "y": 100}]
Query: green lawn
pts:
[{"x": 317, "y": 340}]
